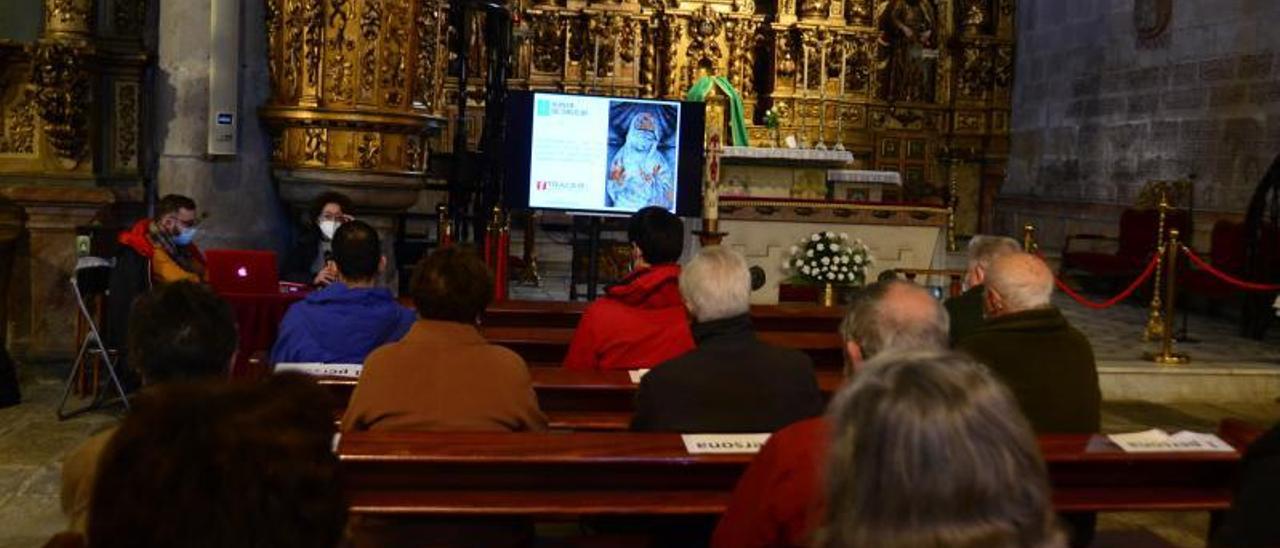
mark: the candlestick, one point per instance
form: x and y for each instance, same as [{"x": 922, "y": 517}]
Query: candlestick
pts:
[{"x": 844, "y": 63}]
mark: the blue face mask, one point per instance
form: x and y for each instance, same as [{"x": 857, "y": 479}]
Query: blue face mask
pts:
[{"x": 185, "y": 237}]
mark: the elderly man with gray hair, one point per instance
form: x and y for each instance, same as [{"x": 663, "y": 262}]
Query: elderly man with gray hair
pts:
[
  {"x": 966, "y": 309},
  {"x": 731, "y": 381},
  {"x": 776, "y": 503},
  {"x": 1047, "y": 363}
]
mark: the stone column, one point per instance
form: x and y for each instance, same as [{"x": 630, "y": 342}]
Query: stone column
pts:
[
  {"x": 43, "y": 326},
  {"x": 11, "y": 224}
]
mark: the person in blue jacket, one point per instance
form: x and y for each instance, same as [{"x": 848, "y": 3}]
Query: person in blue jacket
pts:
[{"x": 346, "y": 320}]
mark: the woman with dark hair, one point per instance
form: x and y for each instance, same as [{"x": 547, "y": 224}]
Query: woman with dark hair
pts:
[
  {"x": 443, "y": 375},
  {"x": 215, "y": 464},
  {"x": 929, "y": 449},
  {"x": 311, "y": 259}
]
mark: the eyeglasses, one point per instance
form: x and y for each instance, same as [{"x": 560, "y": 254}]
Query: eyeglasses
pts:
[
  {"x": 184, "y": 224},
  {"x": 340, "y": 218}
]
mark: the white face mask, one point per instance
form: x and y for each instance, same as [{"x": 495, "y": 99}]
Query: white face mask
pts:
[{"x": 328, "y": 228}]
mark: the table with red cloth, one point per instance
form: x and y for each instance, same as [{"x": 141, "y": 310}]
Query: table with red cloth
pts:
[{"x": 258, "y": 318}]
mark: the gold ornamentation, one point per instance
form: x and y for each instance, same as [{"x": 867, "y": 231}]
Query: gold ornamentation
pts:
[
  {"x": 340, "y": 67},
  {"x": 370, "y": 31},
  {"x": 18, "y": 125},
  {"x": 313, "y": 41},
  {"x": 975, "y": 16},
  {"x": 315, "y": 149},
  {"x": 394, "y": 68},
  {"x": 814, "y": 9},
  {"x": 369, "y": 150},
  {"x": 413, "y": 158},
  {"x": 428, "y": 68},
  {"x": 975, "y": 72},
  {"x": 548, "y": 45},
  {"x": 704, "y": 52},
  {"x": 127, "y": 125},
  {"x": 62, "y": 98},
  {"x": 67, "y": 16}
]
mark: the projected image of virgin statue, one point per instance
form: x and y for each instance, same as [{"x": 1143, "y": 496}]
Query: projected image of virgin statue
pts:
[{"x": 642, "y": 156}]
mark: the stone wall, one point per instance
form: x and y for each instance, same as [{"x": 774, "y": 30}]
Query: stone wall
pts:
[
  {"x": 236, "y": 192},
  {"x": 1099, "y": 112}
]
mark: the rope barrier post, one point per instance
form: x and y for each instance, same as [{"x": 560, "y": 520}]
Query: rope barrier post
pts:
[
  {"x": 1156, "y": 324},
  {"x": 1167, "y": 356}
]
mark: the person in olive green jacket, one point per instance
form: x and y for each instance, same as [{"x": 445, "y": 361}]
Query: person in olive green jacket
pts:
[
  {"x": 1047, "y": 363},
  {"x": 966, "y": 309}
]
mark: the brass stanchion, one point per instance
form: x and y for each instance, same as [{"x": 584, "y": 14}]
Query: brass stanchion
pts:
[
  {"x": 529, "y": 275},
  {"x": 1029, "y": 238},
  {"x": 1155, "y": 323},
  {"x": 1167, "y": 356}
]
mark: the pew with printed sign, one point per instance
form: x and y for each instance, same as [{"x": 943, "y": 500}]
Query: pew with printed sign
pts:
[{"x": 553, "y": 475}]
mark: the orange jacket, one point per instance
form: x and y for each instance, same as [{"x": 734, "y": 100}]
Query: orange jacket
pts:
[{"x": 163, "y": 268}]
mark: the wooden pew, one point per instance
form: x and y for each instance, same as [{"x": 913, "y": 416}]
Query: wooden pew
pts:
[
  {"x": 581, "y": 400},
  {"x": 551, "y": 344},
  {"x": 553, "y": 475},
  {"x": 784, "y": 317}
]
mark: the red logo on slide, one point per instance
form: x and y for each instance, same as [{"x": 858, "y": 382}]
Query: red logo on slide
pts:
[{"x": 542, "y": 185}]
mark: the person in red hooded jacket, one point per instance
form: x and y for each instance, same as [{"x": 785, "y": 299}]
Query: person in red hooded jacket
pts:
[{"x": 641, "y": 320}]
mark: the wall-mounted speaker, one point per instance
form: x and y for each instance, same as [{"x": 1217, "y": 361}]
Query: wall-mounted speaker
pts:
[{"x": 224, "y": 77}]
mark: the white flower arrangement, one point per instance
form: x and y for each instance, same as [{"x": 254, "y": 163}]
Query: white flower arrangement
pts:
[{"x": 827, "y": 257}]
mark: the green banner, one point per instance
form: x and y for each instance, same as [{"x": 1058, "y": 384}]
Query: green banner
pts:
[{"x": 737, "y": 122}]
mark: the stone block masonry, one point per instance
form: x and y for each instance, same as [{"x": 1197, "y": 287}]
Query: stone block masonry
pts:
[{"x": 1098, "y": 113}]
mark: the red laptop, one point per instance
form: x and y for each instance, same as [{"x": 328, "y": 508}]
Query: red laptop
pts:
[{"x": 240, "y": 271}]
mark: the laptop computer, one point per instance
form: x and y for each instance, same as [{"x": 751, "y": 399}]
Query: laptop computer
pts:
[{"x": 241, "y": 271}]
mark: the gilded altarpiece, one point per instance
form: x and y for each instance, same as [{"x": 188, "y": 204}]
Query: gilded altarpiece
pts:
[
  {"x": 71, "y": 149},
  {"x": 922, "y": 87}
]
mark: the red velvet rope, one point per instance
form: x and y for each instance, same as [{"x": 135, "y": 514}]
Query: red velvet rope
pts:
[
  {"x": 1146, "y": 274},
  {"x": 1232, "y": 280}
]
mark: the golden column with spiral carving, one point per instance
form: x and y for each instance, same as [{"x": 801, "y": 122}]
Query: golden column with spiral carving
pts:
[{"x": 356, "y": 86}]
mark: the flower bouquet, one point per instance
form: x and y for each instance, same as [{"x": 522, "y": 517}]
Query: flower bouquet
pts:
[{"x": 829, "y": 260}]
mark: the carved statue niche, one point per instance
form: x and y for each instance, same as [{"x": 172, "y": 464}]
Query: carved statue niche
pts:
[
  {"x": 858, "y": 12},
  {"x": 705, "y": 51},
  {"x": 815, "y": 9},
  {"x": 548, "y": 42},
  {"x": 910, "y": 30},
  {"x": 59, "y": 73},
  {"x": 858, "y": 61},
  {"x": 974, "y": 16}
]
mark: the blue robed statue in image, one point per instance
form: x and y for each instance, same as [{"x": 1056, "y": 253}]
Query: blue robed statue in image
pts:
[{"x": 640, "y": 174}]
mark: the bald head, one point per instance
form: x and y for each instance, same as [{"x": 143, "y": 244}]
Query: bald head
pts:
[
  {"x": 1017, "y": 282},
  {"x": 893, "y": 315}
]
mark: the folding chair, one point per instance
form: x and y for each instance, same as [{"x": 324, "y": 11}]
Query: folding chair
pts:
[{"x": 89, "y": 282}]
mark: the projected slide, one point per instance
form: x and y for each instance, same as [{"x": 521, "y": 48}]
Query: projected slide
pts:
[{"x": 602, "y": 154}]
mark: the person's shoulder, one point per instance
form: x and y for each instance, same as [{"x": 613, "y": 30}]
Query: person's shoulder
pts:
[
  {"x": 803, "y": 433},
  {"x": 670, "y": 371}
]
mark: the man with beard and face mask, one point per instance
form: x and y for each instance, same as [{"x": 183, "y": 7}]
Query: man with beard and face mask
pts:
[
  {"x": 166, "y": 241},
  {"x": 639, "y": 174},
  {"x": 311, "y": 259}
]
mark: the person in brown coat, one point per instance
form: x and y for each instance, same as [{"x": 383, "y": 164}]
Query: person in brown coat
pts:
[{"x": 443, "y": 375}]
